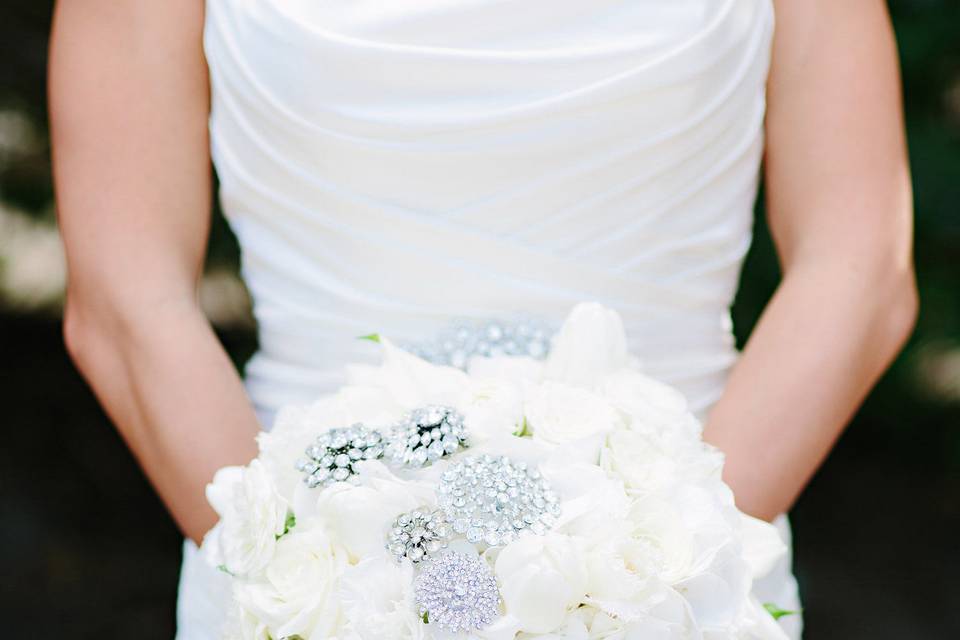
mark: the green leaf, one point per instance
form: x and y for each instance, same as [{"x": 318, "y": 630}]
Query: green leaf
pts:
[
  {"x": 288, "y": 524},
  {"x": 425, "y": 617},
  {"x": 523, "y": 429},
  {"x": 777, "y": 612},
  {"x": 223, "y": 567},
  {"x": 372, "y": 337}
]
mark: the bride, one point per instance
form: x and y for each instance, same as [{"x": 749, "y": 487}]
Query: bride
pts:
[{"x": 392, "y": 165}]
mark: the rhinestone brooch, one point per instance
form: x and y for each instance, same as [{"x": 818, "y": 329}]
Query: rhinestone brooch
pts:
[
  {"x": 331, "y": 458},
  {"x": 417, "y": 535},
  {"x": 457, "y": 592},
  {"x": 467, "y": 338},
  {"x": 492, "y": 500},
  {"x": 425, "y": 435}
]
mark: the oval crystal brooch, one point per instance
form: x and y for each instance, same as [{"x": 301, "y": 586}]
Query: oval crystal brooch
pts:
[
  {"x": 331, "y": 458},
  {"x": 427, "y": 434}
]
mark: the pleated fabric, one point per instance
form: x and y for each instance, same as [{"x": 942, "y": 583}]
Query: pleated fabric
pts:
[
  {"x": 391, "y": 165},
  {"x": 388, "y": 166}
]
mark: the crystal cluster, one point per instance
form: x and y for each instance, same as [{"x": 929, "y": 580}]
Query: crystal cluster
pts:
[
  {"x": 465, "y": 339},
  {"x": 331, "y": 458},
  {"x": 417, "y": 534},
  {"x": 493, "y": 499},
  {"x": 457, "y": 592},
  {"x": 427, "y": 434}
]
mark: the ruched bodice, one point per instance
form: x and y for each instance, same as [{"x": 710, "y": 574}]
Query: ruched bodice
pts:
[{"x": 391, "y": 165}]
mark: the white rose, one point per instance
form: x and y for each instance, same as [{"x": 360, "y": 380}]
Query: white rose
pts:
[
  {"x": 560, "y": 414},
  {"x": 297, "y": 426},
  {"x": 252, "y": 515},
  {"x": 542, "y": 578},
  {"x": 590, "y": 345},
  {"x": 649, "y": 402},
  {"x": 648, "y": 462},
  {"x": 241, "y": 625},
  {"x": 493, "y": 408},
  {"x": 295, "y": 595},
  {"x": 378, "y": 602}
]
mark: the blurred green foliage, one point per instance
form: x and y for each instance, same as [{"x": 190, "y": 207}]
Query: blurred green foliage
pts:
[{"x": 903, "y": 405}]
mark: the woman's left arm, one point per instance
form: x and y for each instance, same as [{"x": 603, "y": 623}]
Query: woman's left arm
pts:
[{"x": 839, "y": 205}]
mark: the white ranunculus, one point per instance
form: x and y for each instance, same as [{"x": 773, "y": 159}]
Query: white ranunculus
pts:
[
  {"x": 560, "y": 414},
  {"x": 252, "y": 515},
  {"x": 542, "y": 578},
  {"x": 590, "y": 345},
  {"x": 378, "y": 602},
  {"x": 296, "y": 593}
]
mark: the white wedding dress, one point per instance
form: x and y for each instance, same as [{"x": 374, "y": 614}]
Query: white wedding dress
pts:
[{"x": 389, "y": 165}]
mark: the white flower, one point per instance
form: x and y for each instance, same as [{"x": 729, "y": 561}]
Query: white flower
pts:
[
  {"x": 378, "y": 602},
  {"x": 560, "y": 414},
  {"x": 590, "y": 345},
  {"x": 493, "y": 408},
  {"x": 650, "y": 403},
  {"x": 541, "y": 579},
  {"x": 513, "y": 370},
  {"x": 295, "y": 595},
  {"x": 297, "y": 426},
  {"x": 252, "y": 515},
  {"x": 649, "y": 462},
  {"x": 357, "y": 516},
  {"x": 410, "y": 381}
]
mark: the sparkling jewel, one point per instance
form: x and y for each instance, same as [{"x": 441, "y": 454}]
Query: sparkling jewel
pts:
[
  {"x": 417, "y": 535},
  {"x": 458, "y": 592},
  {"x": 331, "y": 458},
  {"x": 467, "y": 338},
  {"x": 492, "y": 499},
  {"x": 427, "y": 434}
]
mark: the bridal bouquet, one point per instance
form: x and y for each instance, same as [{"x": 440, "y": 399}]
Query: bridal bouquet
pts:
[{"x": 569, "y": 497}]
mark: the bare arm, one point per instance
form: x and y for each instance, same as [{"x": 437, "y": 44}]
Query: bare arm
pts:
[
  {"x": 128, "y": 107},
  {"x": 839, "y": 204}
]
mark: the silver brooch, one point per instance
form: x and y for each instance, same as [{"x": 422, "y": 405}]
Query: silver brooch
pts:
[
  {"x": 331, "y": 458},
  {"x": 494, "y": 499},
  {"x": 455, "y": 346},
  {"x": 457, "y": 592},
  {"x": 417, "y": 535},
  {"x": 427, "y": 434}
]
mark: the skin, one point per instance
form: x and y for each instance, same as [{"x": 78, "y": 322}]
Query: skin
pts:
[
  {"x": 129, "y": 100},
  {"x": 840, "y": 210}
]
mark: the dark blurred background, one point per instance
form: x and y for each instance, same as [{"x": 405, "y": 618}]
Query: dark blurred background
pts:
[{"x": 87, "y": 551}]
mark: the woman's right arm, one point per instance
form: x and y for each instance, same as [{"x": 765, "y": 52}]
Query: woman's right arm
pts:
[{"x": 129, "y": 102}]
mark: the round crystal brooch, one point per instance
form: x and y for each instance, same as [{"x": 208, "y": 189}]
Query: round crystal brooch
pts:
[
  {"x": 455, "y": 345},
  {"x": 493, "y": 499},
  {"x": 417, "y": 535},
  {"x": 427, "y": 434},
  {"x": 457, "y": 592},
  {"x": 331, "y": 458}
]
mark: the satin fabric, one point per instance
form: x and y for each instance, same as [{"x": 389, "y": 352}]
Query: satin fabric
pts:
[{"x": 388, "y": 165}]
